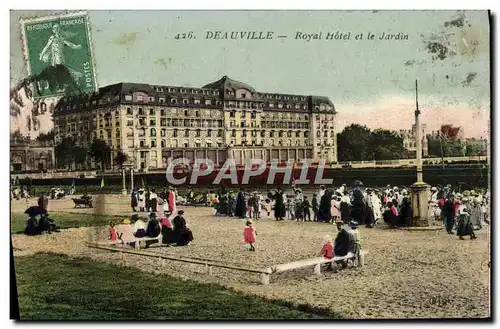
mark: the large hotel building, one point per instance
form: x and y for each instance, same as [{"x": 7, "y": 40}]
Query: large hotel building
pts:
[{"x": 224, "y": 119}]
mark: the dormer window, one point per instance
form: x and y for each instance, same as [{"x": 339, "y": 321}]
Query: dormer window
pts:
[
  {"x": 185, "y": 101},
  {"x": 216, "y": 92},
  {"x": 271, "y": 105},
  {"x": 139, "y": 97},
  {"x": 183, "y": 90},
  {"x": 162, "y": 100},
  {"x": 280, "y": 105},
  {"x": 243, "y": 95},
  {"x": 195, "y": 91},
  {"x": 208, "y": 102},
  {"x": 128, "y": 97},
  {"x": 174, "y": 100},
  {"x": 288, "y": 106},
  {"x": 197, "y": 101},
  {"x": 151, "y": 99}
]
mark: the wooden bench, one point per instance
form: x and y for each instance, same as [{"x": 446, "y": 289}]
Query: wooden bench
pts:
[{"x": 316, "y": 262}]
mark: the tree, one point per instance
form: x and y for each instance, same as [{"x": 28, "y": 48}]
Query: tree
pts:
[
  {"x": 65, "y": 151},
  {"x": 358, "y": 143},
  {"x": 387, "y": 145},
  {"x": 80, "y": 155},
  {"x": 46, "y": 137},
  {"x": 354, "y": 143},
  {"x": 100, "y": 152},
  {"x": 120, "y": 159}
]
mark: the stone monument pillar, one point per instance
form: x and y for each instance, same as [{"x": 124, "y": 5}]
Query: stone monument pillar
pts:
[{"x": 420, "y": 190}]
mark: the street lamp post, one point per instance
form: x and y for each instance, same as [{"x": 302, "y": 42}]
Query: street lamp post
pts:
[{"x": 124, "y": 186}]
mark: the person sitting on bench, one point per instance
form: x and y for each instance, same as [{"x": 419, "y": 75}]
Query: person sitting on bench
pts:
[
  {"x": 343, "y": 242},
  {"x": 167, "y": 231},
  {"x": 182, "y": 234},
  {"x": 153, "y": 229},
  {"x": 327, "y": 250},
  {"x": 139, "y": 226}
]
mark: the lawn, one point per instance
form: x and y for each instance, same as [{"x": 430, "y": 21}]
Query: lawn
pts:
[
  {"x": 52, "y": 286},
  {"x": 64, "y": 220}
]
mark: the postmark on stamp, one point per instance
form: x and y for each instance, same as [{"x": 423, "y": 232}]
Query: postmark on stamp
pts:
[{"x": 58, "y": 52}]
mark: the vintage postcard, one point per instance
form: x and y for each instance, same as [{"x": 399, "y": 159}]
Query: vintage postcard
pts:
[{"x": 235, "y": 165}]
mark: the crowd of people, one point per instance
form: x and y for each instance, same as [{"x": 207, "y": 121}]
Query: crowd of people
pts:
[
  {"x": 170, "y": 232},
  {"x": 365, "y": 206}
]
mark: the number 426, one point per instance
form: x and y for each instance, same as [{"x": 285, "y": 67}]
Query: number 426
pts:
[{"x": 189, "y": 35}]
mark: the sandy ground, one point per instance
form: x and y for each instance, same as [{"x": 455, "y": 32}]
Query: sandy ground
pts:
[{"x": 408, "y": 274}]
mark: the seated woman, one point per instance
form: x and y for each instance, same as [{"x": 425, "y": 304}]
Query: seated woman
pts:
[
  {"x": 139, "y": 226},
  {"x": 390, "y": 215},
  {"x": 46, "y": 224},
  {"x": 153, "y": 228},
  {"x": 32, "y": 226},
  {"x": 182, "y": 234},
  {"x": 167, "y": 231},
  {"x": 125, "y": 233},
  {"x": 343, "y": 242}
]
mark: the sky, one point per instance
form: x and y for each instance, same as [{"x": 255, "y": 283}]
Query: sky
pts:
[{"x": 371, "y": 82}]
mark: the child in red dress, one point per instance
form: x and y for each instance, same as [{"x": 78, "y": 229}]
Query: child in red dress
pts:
[
  {"x": 327, "y": 250},
  {"x": 113, "y": 233},
  {"x": 249, "y": 234}
]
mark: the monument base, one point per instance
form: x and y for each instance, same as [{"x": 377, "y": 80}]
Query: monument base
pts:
[{"x": 420, "y": 204}]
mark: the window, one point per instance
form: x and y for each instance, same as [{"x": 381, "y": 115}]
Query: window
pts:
[
  {"x": 117, "y": 132},
  {"x": 162, "y": 99},
  {"x": 130, "y": 123},
  {"x": 233, "y": 133},
  {"x": 218, "y": 103},
  {"x": 183, "y": 90},
  {"x": 186, "y": 113},
  {"x": 173, "y": 100},
  {"x": 216, "y": 92},
  {"x": 289, "y": 134},
  {"x": 243, "y": 95},
  {"x": 271, "y": 105},
  {"x": 262, "y": 133},
  {"x": 297, "y": 134},
  {"x": 153, "y": 143},
  {"x": 163, "y": 113},
  {"x": 280, "y": 134},
  {"x": 139, "y": 97},
  {"x": 253, "y": 115},
  {"x": 231, "y": 114},
  {"x": 325, "y": 134},
  {"x": 151, "y": 99},
  {"x": 209, "y": 132},
  {"x": 128, "y": 97},
  {"x": 198, "y": 133},
  {"x": 151, "y": 111},
  {"x": 153, "y": 132},
  {"x": 175, "y": 133},
  {"x": 152, "y": 122},
  {"x": 197, "y": 113},
  {"x": 185, "y": 101},
  {"x": 163, "y": 122},
  {"x": 219, "y": 133},
  {"x": 140, "y": 111},
  {"x": 163, "y": 133},
  {"x": 271, "y": 134},
  {"x": 186, "y": 133},
  {"x": 129, "y": 111},
  {"x": 208, "y": 102},
  {"x": 163, "y": 143},
  {"x": 197, "y": 101},
  {"x": 141, "y": 143},
  {"x": 318, "y": 133},
  {"x": 280, "y": 105}
]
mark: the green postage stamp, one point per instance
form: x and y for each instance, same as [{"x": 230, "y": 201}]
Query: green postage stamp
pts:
[{"x": 58, "y": 54}]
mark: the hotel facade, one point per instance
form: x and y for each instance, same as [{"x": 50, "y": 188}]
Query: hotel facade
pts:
[{"x": 225, "y": 119}]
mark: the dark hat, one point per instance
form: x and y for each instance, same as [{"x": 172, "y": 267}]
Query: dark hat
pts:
[
  {"x": 135, "y": 217},
  {"x": 152, "y": 215},
  {"x": 180, "y": 212},
  {"x": 353, "y": 224}
]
